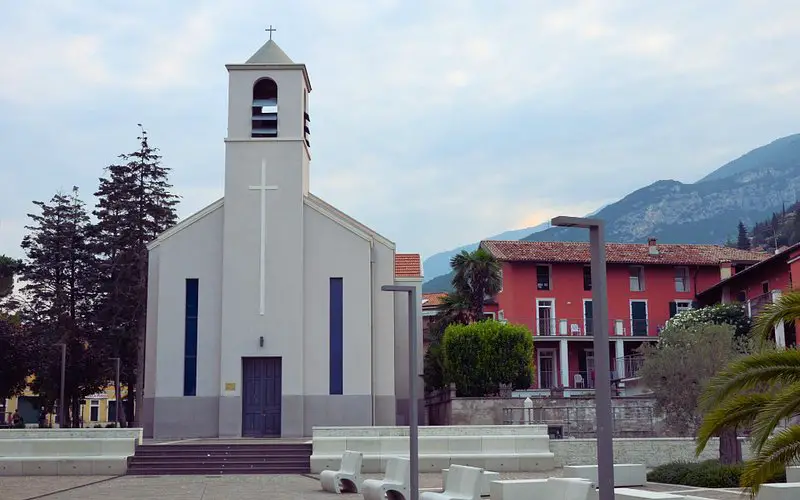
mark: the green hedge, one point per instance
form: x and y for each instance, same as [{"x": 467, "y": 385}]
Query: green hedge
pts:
[
  {"x": 480, "y": 356},
  {"x": 707, "y": 474}
]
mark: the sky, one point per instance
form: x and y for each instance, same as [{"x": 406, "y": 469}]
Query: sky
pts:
[{"x": 436, "y": 123}]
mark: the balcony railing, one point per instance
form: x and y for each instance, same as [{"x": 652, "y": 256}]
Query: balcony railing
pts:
[
  {"x": 624, "y": 368},
  {"x": 583, "y": 327},
  {"x": 756, "y": 304}
]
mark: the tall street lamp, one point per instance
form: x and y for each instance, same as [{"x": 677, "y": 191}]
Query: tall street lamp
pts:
[
  {"x": 602, "y": 392},
  {"x": 61, "y": 409},
  {"x": 413, "y": 429}
]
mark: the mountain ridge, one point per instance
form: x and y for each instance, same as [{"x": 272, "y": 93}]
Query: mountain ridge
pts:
[{"x": 748, "y": 188}]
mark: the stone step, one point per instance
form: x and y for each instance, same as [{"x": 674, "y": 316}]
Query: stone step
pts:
[
  {"x": 217, "y": 471},
  {"x": 213, "y": 459}
]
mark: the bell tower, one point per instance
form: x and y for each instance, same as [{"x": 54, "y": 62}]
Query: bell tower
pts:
[{"x": 267, "y": 159}]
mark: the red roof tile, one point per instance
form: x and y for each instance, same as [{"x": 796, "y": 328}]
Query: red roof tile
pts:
[
  {"x": 407, "y": 265},
  {"x": 619, "y": 253},
  {"x": 432, "y": 299}
]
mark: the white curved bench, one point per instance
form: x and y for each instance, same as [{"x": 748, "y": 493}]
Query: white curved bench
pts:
[
  {"x": 463, "y": 483},
  {"x": 347, "y": 478},
  {"x": 517, "y": 448},
  {"x": 395, "y": 483}
]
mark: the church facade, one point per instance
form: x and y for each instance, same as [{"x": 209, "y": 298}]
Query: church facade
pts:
[{"x": 265, "y": 314}]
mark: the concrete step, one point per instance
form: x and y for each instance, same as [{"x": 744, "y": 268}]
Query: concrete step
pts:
[{"x": 213, "y": 459}]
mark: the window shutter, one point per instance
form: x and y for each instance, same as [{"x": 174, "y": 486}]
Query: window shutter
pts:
[{"x": 673, "y": 309}]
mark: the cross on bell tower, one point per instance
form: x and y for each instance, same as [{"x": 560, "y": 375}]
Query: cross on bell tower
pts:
[{"x": 270, "y": 30}]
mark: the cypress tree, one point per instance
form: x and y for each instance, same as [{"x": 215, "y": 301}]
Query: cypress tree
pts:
[
  {"x": 59, "y": 286},
  {"x": 743, "y": 241},
  {"x": 134, "y": 206}
]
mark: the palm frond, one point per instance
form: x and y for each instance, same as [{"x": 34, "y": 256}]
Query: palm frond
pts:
[
  {"x": 779, "y": 407},
  {"x": 737, "y": 411},
  {"x": 753, "y": 372},
  {"x": 779, "y": 451},
  {"x": 785, "y": 309}
]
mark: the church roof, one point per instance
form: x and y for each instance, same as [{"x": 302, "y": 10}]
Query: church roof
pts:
[{"x": 269, "y": 53}]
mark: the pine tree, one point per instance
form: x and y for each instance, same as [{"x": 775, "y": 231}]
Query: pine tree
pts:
[
  {"x": 134, "y": 206},
  {"x": 743, "y": 241},
  {"x": 59, "y": 276}
]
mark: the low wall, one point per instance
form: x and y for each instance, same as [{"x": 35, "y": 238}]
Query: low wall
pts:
[
  {"x": 649, "y": 451},
  {"x": 90, "y": 433},
  {"x": 633, "y": 416},
  {"x": 430, "y": 430}
]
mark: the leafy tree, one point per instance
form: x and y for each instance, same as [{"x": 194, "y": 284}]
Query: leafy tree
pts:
[
  {"x": 476, "y": 276},
  {"x": 480, "y": 356},
  {"x": 134, "y": 206},
  {"x": 743, "y": 241},
  {"x": 8, "y": 269},
  {"x": 16, "y": 357},
  {"x": 59, "y": 287},
  {"x": 680, "y": 365}
]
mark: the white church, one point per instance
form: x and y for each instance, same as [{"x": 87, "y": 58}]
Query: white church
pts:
[{"x": 265, "y": 315}]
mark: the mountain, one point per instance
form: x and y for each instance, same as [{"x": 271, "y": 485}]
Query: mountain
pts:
[
  {"x": 777, "y": 153},
  {"x": 439, "y": 263},
  {"x": 749, "y": 189}
]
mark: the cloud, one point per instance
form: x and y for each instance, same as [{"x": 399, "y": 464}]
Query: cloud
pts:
[{"x": 437, "y": 123}]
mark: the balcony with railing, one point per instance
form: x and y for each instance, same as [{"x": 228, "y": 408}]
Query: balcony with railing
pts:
[
  {"x": 626, "y": 368},
  {"x": 583, "y": 327},
  {"x": 756, "y": 304}
]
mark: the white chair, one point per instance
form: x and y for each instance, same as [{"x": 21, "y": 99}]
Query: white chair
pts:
[
  {"x": 463, "y": 483},
  {"x": 578, "y": 378},
  {"x": 394, "y": 485},
  {"x": 347, "y": 478}
]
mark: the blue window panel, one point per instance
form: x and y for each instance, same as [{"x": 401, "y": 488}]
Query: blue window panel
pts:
[
  {"x": 190, "y": 376},
  {"x": 190, "y": 338},
  {"x": 336, "y": 336}
]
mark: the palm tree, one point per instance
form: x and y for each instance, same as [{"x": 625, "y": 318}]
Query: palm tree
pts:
[
  {"x": 476, "y": 276},
  {"x": 759, "y": 391}
]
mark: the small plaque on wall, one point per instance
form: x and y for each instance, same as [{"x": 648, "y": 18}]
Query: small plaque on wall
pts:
[{"x": 230, "y": 386}]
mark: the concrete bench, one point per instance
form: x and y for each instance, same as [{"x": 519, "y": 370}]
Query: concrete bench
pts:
[
  {"x": 56, "y": 457},
  {"x": 347, "y": 478},
  {"x": 134, "y": 433},
  {"x": 463, "y": 483},
  {"x": 486, "y": 479},
  {"x": 624, "y": 474},
  {"x": 517, "y": 448},
  {"x": 394, "y": 485},
  {"x": 553, "y": 488},
  {"x": 779, "y": 491},
  {"x": 631, "y": 494},
  {"x": 793, "y": 474}
]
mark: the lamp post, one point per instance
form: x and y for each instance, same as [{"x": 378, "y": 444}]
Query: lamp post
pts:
[
  {"x": 117, "y": 392},
  {"x": 61, "y": 410},
  {"x": 413, "y": 428},
  {"x": 602, "y": 394}
]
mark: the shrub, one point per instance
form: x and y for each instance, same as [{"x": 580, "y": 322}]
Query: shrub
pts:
[
  {"x": 480, "y": 356},
  {"x": 707, "y": 474}
]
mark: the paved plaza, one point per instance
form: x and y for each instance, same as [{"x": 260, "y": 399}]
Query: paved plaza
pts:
[{"x": 244, "y": 487}]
